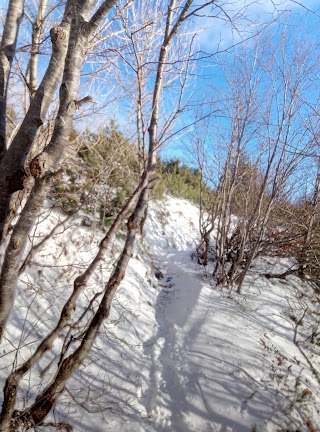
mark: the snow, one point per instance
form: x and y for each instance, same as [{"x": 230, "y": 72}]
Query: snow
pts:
[{"x": 178, "y": 354}]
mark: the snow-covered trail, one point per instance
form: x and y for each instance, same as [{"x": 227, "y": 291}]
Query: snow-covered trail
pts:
[
  {"x": 201, "y": 378},
  {"x": 210, "y": 369},
  {"x": 175, "y": 303}
]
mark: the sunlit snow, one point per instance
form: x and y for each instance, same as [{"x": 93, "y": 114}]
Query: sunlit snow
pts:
[{"x": 178, "y": 354}]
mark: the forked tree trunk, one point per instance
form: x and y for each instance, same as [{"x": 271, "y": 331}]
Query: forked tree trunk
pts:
[
  {"x": 12, "y": 168},
  {"x": 43, "y": 166}
]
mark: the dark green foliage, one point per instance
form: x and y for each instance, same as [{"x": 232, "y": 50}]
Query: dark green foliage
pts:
[
  {"x": 178, "y": 180},
  {"x": 104, "y": 171},
  {"x": 110, "y": 151},
  {"x": 101, "y": 175}
]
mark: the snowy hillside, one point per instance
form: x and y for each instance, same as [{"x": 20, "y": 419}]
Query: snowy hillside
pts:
[{"x": 178, "y": 354}]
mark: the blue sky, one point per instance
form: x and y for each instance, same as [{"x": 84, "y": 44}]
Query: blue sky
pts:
[
  {"x": 297, "y": 21},
  {"x": 218, "y": 40},
  {"x": 256, "y": 15}
]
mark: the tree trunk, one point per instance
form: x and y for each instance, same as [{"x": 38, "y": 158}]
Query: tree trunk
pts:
[
  {"x": 36, "y": 39},
  {"x": 7, "y": 53},
  {"x": 12, "y": 169}
]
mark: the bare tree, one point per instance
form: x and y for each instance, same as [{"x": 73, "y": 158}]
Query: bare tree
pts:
[
  {"x": 296, "y": 226},
  {"x": 269, "y": 139},
  {"x": 208, "y": 202}
]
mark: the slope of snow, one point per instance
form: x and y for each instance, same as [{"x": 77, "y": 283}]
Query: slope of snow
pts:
[{"x": 178, "y": 354}]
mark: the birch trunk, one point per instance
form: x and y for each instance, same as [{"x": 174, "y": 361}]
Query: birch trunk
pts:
[
  {"x": 7, "y": 53},
  {"x": 12, "y": 167},
  {"x": 36, "y": 39}
]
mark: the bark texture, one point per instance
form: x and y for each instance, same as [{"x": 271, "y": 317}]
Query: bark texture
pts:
[
  {"x": 13, "y": 174},
  {"x": 7, "y": 53}
]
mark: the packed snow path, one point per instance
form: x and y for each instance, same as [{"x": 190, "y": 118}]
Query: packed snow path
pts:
[
  {"x": 169, "y": 375},
  {"x": 210, "y": 369},
  {"x": 206, "y": 374}
]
